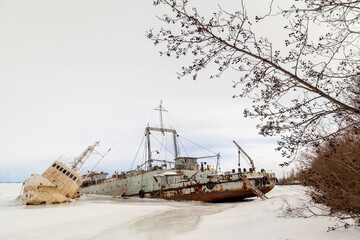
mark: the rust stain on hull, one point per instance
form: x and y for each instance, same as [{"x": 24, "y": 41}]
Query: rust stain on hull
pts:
[
  {"x": 218, "y": 196},
  {"x": 198, "y": 193}
]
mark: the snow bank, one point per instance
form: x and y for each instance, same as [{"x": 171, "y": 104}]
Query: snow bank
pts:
[
  {"x": 93, "y": 217},
  {"x": 259, "y": 219}
]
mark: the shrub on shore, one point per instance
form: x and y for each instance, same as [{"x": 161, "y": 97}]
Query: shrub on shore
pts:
[{"x": 333, "y": 172}]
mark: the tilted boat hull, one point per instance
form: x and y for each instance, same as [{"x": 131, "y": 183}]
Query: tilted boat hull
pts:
[
  {"x": 57, "y": 184},
  {"x": 38, "y": 190}
]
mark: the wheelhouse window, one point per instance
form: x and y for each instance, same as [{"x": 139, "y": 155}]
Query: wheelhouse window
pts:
[
  {"x": 54, "y": 165},
  {"x": 64, "y": 171},
  {"x": 71, "y": 176},
  {"x": 61, "y": 169},
  {"x": 57, "y": 167},
  {"x": 68, "y": 173},
  {"x": 74, "y": 178}
]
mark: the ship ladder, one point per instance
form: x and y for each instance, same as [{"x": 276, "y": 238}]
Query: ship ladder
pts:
[{"x": 255, "y": 190}]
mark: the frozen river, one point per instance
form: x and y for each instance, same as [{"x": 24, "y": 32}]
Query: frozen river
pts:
[{"x": 92, "y": 217}]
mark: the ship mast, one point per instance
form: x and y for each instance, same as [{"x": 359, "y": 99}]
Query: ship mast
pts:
[
  {"x": 81, "y": 159},
  {"x": 161, "y": 109},
  {"x": 163, "y": 130}
]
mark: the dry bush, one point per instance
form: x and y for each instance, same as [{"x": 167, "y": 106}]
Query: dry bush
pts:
[{"x": 333, "y": 170}]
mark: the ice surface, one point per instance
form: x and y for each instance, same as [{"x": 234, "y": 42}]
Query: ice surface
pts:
[{"x": 94, "y": 217}]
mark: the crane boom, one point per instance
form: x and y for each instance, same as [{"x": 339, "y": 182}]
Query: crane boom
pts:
[
  {"x": 248, "y": 157},
  {"x": 80, "y": 160}
]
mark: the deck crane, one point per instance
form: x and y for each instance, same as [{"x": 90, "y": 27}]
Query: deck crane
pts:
[{"x": 248, "y": 157}]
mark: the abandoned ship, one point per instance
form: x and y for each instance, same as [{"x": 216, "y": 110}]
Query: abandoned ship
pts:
[
  {"x": 58, "y": 184},
  {"x": 183, "y": 178}
]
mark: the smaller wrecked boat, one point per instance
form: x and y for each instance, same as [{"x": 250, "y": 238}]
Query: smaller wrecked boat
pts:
[{"x": 58, "y": 184}]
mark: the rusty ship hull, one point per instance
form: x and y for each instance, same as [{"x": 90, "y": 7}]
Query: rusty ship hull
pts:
[{"x": 174, "y": 185}]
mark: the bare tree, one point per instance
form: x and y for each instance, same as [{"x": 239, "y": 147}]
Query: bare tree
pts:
[{"x": 308, "y": 84}]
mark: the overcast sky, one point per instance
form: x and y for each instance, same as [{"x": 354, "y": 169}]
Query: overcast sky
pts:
[{"x": 73, "y": 72}]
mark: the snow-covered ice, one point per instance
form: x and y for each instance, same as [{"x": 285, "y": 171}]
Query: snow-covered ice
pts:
[{"x": 94, "y": 217}]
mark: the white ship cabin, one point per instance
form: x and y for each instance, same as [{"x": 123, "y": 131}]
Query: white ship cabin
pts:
[
  {"x": 189, "y": 163},
  {"x": 66, "y": 180},
  {"x": 93, "y": 178}
]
